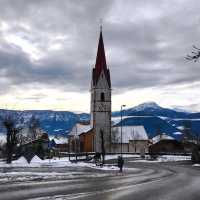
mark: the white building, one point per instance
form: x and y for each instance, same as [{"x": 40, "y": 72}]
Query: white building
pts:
[{"x": 134, "y": 139}]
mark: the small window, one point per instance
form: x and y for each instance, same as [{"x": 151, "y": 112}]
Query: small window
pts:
[{"x": 102, "y": 97}]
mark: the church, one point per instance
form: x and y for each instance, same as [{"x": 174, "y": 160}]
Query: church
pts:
[{"x": 97, "y": 135}]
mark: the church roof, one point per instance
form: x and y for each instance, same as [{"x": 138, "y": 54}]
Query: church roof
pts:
[
  {"x": 79, "y": 128},
  {"x": 100, "y": 63},
  {"x": 160, "y": 137}
]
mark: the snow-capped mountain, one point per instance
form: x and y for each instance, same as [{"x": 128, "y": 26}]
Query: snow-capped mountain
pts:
[
  {"x": 152, "y": 109},
  {"x": 53, "y": 122},
  {"x": 145, "y": 106},
  {"x": 150, "y": 115}
]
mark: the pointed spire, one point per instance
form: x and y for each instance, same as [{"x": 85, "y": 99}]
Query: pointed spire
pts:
[
  {"x": 101, "y": 58},
  {"x": 101, "y": 62}
]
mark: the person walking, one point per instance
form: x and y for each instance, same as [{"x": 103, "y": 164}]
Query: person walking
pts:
[{"x": 120, "y": 163}]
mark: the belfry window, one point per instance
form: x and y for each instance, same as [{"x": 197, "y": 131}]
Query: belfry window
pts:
[{"x": 102, "y": 96}]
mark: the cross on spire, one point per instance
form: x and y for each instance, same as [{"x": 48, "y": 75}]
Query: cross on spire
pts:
[{"x": 101, "y": 24}]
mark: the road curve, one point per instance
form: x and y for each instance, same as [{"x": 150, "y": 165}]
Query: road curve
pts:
[{"x": 146, "y": 181}]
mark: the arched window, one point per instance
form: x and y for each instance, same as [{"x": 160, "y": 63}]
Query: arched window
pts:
[{"x": 102, "y": 97}]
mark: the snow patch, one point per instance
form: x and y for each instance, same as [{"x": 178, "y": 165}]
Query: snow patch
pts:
[
  {"x": 177, "y": 133},
  {"x": 196, "y": 165},
  {"x": 36, "y": 159},
  {"x": 20, "y": 160}
]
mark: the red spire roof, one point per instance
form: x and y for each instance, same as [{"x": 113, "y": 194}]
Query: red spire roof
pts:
[
  {"x": 101, "y": 58},
  {"x": 101, "y": 62}
]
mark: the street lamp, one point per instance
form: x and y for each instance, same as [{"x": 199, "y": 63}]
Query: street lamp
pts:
[{"x": 121, "y": 126}]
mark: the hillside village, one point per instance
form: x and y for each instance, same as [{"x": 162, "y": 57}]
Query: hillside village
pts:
[
  {"x": 99, "y": 100},
  {"x": 144, "y": 129}
]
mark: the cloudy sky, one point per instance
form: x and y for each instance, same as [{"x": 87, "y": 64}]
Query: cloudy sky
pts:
[{"x": 48, "y": 48}]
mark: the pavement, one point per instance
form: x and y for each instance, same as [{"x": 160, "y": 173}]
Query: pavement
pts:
[{"x": 139, "y": 181}]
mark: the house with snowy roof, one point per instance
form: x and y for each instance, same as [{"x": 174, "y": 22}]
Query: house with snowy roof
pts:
[
  {"x": 80, "y": 138},
  {"x": 134, "y": 139},
  {"x": 59, "y": 143}
]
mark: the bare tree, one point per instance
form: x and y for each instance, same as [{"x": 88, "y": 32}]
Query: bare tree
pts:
[
  {"x": 103, "y": 151},
  {"x": 195, "y": 54},
  {"x": 33, "y": 126},
  {"x": 11, "y": 137}
]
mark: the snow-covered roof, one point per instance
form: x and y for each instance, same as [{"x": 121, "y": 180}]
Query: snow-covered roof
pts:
[
  {"x": 178, "y": 133},
  {"x": 128, "y": 133},
  {"x": 180, "y": 127},
  {"x": 79, "y": 128},
  {"x": 61, "y": 140},
  {"x": 160, "y": 137}
]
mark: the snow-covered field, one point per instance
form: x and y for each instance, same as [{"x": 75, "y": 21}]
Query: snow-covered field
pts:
[
  {"x": 54, "y": 169},
  {"x": 59, "y": 169}
]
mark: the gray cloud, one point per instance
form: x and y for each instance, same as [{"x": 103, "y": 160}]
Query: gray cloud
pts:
[{"x": 145, "y": 42}]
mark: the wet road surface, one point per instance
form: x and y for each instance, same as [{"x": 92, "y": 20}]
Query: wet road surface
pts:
[{"x": 139, "y": 181}]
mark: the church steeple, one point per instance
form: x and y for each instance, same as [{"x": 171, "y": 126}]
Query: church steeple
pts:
[
  {"x": 101, "y": 62},
  {"x": 101, "y": 101},
  {"x": 101, "y": 58}
]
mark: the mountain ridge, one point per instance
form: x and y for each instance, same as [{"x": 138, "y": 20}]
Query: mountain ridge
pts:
[{"x": 61, "y": 122}]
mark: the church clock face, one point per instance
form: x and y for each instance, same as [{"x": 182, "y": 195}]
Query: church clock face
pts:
[{"x": 101, "y": 107}]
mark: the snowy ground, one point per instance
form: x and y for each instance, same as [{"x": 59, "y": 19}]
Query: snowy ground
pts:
[
  {"x": 61, "y": 162},
  {"x": 65, "y": 162},
  {"x": 165, "y": 158},
  {"x": 55, "y": 162},
  {"x": 54, "y": 169},
  {"x": 62, "y": 169}
]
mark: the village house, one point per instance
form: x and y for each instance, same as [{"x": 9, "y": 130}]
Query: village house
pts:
[
  {"x": 80, "y": 138},
  {"x": 60, "y": 144},
  {"x": 165, "y": 144},
  {"x": 134, "y": 139}
]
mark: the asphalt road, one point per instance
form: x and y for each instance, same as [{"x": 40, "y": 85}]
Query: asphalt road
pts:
[{"x": 145, "y": 181}]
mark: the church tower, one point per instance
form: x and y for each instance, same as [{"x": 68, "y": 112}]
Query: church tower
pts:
[{"x": 101, "y": 101}]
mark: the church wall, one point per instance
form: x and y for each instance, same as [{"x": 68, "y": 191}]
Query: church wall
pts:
[{"x": 87, "y": 139}]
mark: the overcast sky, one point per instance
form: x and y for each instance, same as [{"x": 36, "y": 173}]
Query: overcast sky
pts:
[{"x": 48, "y": 49}]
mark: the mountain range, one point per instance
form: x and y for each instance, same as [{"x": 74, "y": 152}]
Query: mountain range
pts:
[{"x": 152, "y": 116}]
